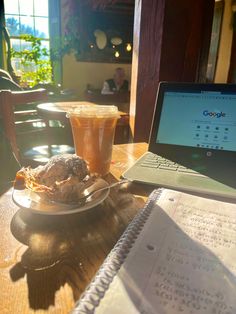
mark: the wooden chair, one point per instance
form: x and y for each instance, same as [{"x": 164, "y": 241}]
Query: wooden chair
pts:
[{"x": 13, "y": 119}]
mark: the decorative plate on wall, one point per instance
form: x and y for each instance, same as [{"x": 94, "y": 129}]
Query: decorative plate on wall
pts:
[
  {"x": 101, "y": 38},
  {"x": 116, "y": 41}
]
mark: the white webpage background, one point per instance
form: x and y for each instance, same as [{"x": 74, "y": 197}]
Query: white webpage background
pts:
[{"x": 183, "y": 121}]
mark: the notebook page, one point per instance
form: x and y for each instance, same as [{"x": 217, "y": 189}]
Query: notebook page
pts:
[{"x": 184, "y": 260}]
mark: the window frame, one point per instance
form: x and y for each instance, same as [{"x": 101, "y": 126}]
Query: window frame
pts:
[{"x": 54, "y": 31}]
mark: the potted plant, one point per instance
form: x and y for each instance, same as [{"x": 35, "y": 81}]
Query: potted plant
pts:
[{"x": 35, "y": 65}]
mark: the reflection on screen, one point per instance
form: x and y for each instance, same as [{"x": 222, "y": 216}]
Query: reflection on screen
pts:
[{"x": 206, "y": 120}]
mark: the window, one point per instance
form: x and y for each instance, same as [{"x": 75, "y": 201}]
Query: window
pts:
[{"x": 27, "y": 17}]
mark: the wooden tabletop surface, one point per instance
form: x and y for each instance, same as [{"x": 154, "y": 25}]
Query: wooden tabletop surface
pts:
[{"x": 47, "y": 262}]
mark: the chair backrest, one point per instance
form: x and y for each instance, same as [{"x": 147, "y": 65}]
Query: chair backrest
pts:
[{"x": 9, "y": 100}]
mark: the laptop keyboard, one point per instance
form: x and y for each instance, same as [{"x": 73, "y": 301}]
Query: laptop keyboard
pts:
[{"x": 155, "y": 161}]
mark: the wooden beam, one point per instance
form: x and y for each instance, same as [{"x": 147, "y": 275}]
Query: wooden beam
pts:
[{"x": 169, "y": 40}]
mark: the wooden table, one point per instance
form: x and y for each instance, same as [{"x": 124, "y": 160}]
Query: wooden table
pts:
[
  {"x": 47, "y": 262},
  {"x": 121, "y": 99}
]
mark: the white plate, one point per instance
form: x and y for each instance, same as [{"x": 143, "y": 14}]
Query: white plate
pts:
[{"x": 31, "y": 201}]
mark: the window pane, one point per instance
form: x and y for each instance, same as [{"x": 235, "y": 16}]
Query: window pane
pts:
[
  {"x": 15, "y": 43},
  {"x": 13, "y": 25},
  {"x": 17, "y": 66},
  {"x": 45, "y": 44},
  {"x": 25, "y": 45},
  {"x": 41, "y": 8},
  {"x": 28, "y": 17},
  {"x": 41, "y": 27},
  {"x": 20, "y": 44},
  {"x": 11, "y": 6},
  {"x": 27, "y": 25},
  {"x": 26, "y": 7}
]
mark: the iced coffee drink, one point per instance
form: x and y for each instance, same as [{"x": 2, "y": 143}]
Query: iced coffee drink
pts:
[{"x": 93, "y": 128}]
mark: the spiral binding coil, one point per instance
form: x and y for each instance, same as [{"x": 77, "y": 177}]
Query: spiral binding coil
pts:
[{"x": 96, "y": 290}]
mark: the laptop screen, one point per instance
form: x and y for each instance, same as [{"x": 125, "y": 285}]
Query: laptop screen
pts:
[{"x": 205, "y": 119}]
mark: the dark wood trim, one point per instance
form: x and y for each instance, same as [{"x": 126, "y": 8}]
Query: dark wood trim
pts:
[
  {"x": 232, "y": 67},
  {"x": 171, "y": 43},
  {"x": 215, "y": 40}
]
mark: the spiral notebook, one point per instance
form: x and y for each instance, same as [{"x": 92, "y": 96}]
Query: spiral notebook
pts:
[{"x": 178, "y": 255}]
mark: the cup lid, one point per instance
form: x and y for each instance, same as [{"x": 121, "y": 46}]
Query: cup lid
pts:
[{"x": 97, "y": 111}]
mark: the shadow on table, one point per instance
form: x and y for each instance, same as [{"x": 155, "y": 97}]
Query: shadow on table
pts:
[{"x": 69, "y": 249}]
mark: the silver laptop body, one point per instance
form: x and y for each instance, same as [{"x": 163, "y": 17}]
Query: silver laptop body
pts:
[{"x": 192, "y": 145}]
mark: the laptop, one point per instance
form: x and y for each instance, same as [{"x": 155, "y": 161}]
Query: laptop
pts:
[{"x": 192, "y": 144}]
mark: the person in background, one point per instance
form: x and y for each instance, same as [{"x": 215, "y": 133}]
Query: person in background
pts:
[
  {"x": 117, "y": 84},
  {"x": 6, "y": 82}
]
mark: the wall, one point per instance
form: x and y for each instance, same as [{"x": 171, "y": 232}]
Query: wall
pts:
[
  {"x": 76, "y": 75},
  {"x": 223, "y": 62}
]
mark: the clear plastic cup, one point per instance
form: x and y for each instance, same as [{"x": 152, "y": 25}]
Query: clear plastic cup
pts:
[{"x": 93, "y": 129}]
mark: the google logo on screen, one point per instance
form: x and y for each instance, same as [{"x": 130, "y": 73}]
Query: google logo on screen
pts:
[{"x": 214, "y": 114}]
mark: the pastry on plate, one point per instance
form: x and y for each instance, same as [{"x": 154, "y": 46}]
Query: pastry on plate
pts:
[{"x": 63, "y": 179}]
